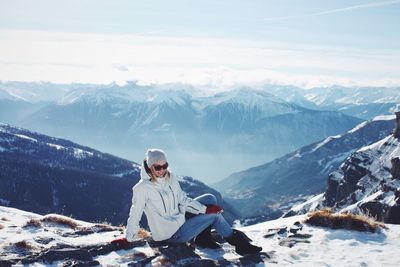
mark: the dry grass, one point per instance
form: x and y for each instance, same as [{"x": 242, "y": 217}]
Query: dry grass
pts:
[
  {"x": 24, "y": 245},
  {"x": 99, "y": 228},
  {"x": 107, "y": 227},
  {"x": 61, "y": 220},
  {"x": 33, "y": 223},
  {"x": 143, "y": 233},
  {"x": 161, "y": 261},
  {"x": 327, "y": 218}
]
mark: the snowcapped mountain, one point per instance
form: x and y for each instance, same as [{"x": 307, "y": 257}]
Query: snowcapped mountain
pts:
[
  {"x": 354, "y": 95},
  {"x": 367, "y": 182},
  {"x": 54, "y": 240},
  {"x": 236, "y": 124},
  {"x": 46, "y": 174},
  {"x": 270, "y": 189},
  {"x": 361, "y": 102}
]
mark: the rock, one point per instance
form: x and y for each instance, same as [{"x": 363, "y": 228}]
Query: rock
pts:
[
  {"x": 6, "y": 263},
  {"x": 81, "y": 263},
  {"x": 395, "y": 171},
  {"x": 43, "y": 240},
  {"x": 253, "y": 259},
  {"x": 287, "y": 243},
  {"x": 394, "y": 214},
  {"x": 301, "y": 236},
  {"x": 178, "y": 252},
  {"x": 66, "y": 253},
  {"x": 375, "y": 209}
]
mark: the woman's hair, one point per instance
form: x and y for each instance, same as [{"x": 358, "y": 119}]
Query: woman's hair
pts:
[{"x": 150, "y": 172}]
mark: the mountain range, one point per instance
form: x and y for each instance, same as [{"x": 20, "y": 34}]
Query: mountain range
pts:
[{"x": 244, "y": 127}]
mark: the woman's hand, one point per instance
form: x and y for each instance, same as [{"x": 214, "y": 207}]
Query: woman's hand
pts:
[
  {"x": 121, "y": 241},
  {"x": 213, "y": 209}
]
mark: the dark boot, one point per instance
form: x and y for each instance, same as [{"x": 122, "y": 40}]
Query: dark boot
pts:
[
  {"x": 204, "y": 239},
  {"x": 242, "y": 243}
]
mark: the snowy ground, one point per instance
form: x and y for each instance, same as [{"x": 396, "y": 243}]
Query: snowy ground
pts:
[{"x": 323, "y": 247}]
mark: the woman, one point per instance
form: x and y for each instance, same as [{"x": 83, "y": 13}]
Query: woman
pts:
[{"x": 160, "y": 196}]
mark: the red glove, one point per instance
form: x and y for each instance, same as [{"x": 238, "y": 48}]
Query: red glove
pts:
[
  {"x": 213, "y": 209},
  {"x": 121, "y": 241}
]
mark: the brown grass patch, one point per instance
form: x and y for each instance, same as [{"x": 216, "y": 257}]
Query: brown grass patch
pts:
[
  {"x": 327, "y": 218},
  {"x": 33, "y": 223},
  {"x": 143, "y": 233},
  {"x": 24, "y": 245},
  {"x": 98, "y": 228},
  {"x": 161, "y": 261},
  {"x": 61, "y": 220}
]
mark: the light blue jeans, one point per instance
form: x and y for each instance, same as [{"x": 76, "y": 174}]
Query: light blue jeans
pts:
[{"x": 195, "y": 225}]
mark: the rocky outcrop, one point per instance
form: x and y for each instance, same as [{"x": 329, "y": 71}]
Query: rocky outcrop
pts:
[
  {"x": 367, "y": 182},
  {"x": 395, "y": 170}
]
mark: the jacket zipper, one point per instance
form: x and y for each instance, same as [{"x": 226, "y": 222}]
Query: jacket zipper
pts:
[
  {"x": 172, "y": 195},
  {"x": 163, "y": 202}
]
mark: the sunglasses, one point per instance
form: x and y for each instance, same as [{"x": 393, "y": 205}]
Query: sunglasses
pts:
[{"x": 159, "y": 167}]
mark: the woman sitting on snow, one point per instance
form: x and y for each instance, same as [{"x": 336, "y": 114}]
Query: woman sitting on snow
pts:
[{"x": 160, "y": 196}]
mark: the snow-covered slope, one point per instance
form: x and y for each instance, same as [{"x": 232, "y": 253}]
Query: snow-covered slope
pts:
[
  {"x": 27, "y": 238},
  {"x": 366, "y": 182},
  {"x": 272, "y": 188}
]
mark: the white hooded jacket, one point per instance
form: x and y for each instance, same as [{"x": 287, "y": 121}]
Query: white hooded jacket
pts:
[{"x": 164, "y": 204}]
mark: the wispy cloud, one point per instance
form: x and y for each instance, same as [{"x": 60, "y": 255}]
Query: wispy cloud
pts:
[
  {"x": 338, "y": 10},
  {"x": 207, "y": 62}
]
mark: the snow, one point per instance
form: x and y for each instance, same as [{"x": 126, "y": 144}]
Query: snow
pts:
[
  {"x": 26, "y": 137},
  {"x": 81, "y": 154},
  {"x": 58, "y": 147},
  {"x": 358, "y": 127},
  {"x": 325, "y": 141},
  {"x": 310, "y": 204},
  {"x": 329, "y": 247},
  {"x": 384, "y": 118},
  {"x": 338, "y": 158},
  {"x": 325, "y": 247}
]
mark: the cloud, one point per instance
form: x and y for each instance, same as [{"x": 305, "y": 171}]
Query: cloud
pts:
[
  {"x": 205, "y": 62},
  {"x": 338, "y": 10}
]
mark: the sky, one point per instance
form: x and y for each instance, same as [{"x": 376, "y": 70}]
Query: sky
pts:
[{"x": 210, "y": 43}]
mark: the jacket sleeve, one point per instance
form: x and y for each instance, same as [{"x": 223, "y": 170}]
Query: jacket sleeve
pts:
[
  {"x": 135, "y": 214},
  {"x": 187, "y": 203}
]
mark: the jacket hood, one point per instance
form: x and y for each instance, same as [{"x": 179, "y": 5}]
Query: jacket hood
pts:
[{"x": 143, "y": 174}]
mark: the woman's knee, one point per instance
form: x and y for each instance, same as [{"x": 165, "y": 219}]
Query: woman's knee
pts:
[{"x": 207, "y": 199}]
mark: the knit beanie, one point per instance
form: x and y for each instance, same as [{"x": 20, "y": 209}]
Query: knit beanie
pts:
[{"x": 154, "y": 155}]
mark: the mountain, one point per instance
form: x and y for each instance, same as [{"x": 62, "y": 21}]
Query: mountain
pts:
[
  {"x": 367, "y": 182},
  {"x": 119, "y": 118},
  {"x": 45, "y": 174},
  {"x": 37, "y": 240},
  {"x": 361, "y": 102},
  {"x": 269, "y": 190}
]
